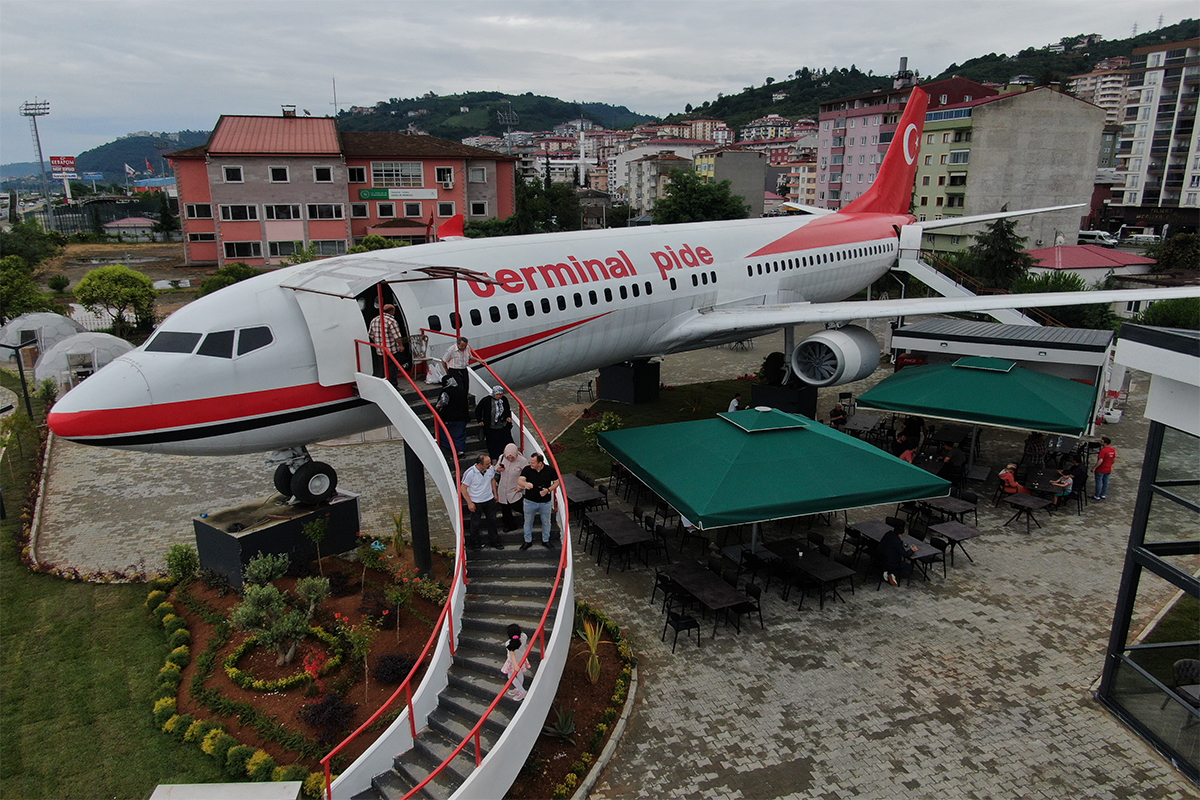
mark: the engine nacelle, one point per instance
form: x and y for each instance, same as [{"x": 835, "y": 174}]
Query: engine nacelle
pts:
[{"x": 836, "y": 356}]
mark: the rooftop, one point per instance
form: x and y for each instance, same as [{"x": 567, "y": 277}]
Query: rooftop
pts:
[
  {"x": 275, "y": 136},
  {"x": 1086, "y": 256}
]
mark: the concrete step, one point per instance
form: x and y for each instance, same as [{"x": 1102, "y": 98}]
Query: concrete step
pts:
[
  {"x": 514, "y": 587},
  {"x": 522, "y": 567},
  {"x": 485, "y": 660},
  {"x": 455, "y": 728},
  {"x": 471, "y": 707},
  {"x": 431, "y": 749}
]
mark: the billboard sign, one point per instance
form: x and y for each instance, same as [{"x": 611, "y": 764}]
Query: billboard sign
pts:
[{"x": 63, "y": 167}]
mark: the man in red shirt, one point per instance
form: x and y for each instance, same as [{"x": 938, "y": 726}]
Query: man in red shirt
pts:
[{"x": 1104, "y": 465}]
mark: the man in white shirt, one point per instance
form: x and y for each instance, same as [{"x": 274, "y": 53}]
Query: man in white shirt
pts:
[
  {"x": 736, "y": 403},
  {"x": 457, "y": 358},
  {"x": 478, "y": 490}
]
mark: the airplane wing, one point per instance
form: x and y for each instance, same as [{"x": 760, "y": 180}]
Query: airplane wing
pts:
[
  {"x": 807, "y": 209},
  {"x": 954, "y": 222},
  {"x": 749, "y": 319}
]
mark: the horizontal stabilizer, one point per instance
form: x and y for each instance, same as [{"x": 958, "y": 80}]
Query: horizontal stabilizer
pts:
[{"x": 954, "y": 222}]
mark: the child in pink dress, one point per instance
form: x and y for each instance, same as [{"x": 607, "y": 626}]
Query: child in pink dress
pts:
[{"x": 516, "y": 646}]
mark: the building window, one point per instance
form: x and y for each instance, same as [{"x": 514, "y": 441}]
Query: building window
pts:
[
  {"x": 356, "y": 174},
  {"x": 386, "y": 210},
  {"x": 276, "y": 249},
  {"x": 397, "y": 173},
  {"x": 202, "y": 237},
  {"x": 928, "y": 160},
  {"x": 330, "y": 247},
  {"x": 232, "y": 174},
  {"x": 954, "y": 201},
  {"x": 359, "y": 210},
  {"x": 924, "y": 201},
  {"x": 444, "y": 175},
  {"x": 322, "y": 174},
  {"x": 959, "y": 156},
  {"x": 941, "y": 180},
  {"x": 282, "y": 212},
  {"x": 279, "y": 174},
  {"x": 944, "y": 159},
  {"x": 235, "y": 213},
  {"x": 939, "y": 201},
  {"x": 479, "y": 208},
  {"x": 958, "y": 180},
  {"x": 477, "y": 175},
  {"x": 962, "y": 136},
  {"x": 445, "y": 209},
  {"x": 198, "y": 210},
  {"x": 325, "y": 211},
  {"x": 412, "y": 209},
  {"x": 243, "y": 249},
  {"x": 925, "y": 181}
]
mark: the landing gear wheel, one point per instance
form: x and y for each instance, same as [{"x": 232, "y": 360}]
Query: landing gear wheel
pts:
[
  {"x": 283, "y": 480},
  {"x": 313, "y": 483}
]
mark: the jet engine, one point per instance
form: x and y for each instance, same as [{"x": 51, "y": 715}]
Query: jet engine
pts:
[{"x": 836, "y": 356}]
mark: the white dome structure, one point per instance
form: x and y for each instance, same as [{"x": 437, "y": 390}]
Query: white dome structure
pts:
[
  {"x": 44, "y": 328},
  {"x": 78, "y": 356}
]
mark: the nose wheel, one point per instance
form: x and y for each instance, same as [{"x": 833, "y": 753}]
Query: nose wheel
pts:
[{"x": 311, "y": 483}]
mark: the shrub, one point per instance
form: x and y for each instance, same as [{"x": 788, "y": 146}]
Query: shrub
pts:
[
  {"x": 197, "y": 731},
  {"x": 392, "y": 668},
  {"x": 314, "y": 785},
  {"x": 155, "y": 599},
  {"x": 172, "y": 623},
  {"x": 169, "y": 725},
  {"x": 435, "y": 591},
  {"x": 608, "y": 422},
  {"x": 58, "y": 283},
  {"x": 180, "y": 637},
  {"x": 164, "y": 709},
  {"x": 180, "y": 655},
  {"x": 331, "y": 717},
  {"x": 261, "y": 766},
  {"x": 340, "y": 585},
  {"x": 214, "y": 580},
  {"x": 292, "y": 772},
  {"x": 162, "y": 609},
  {"x": 169, "y": 676},
  {"x": 235, "y": 760},
  {"x": 182, "y": 563},
  {"x": 217, "y": 744},
  {"x": 265, "y": 568},
  {"x": 182, "y": 723}
]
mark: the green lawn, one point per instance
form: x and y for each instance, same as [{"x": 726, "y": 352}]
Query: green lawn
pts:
[{"x": 77, "y": 669}]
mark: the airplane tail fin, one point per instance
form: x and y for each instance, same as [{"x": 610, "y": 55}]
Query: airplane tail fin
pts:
[
  {"x": 451, "y": 229},
  {"x": 892, "y": 191}
]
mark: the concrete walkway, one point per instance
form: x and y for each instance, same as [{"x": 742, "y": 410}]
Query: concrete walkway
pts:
[{"x": 976, "y": 686}]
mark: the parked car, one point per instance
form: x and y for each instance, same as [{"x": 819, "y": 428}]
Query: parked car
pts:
[{"x": 1142, "y": 239}]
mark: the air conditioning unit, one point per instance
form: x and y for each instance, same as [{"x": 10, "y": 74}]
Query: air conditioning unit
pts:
[{"x": 447, "y": 184}]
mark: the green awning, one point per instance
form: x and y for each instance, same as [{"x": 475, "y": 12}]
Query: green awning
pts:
[
  {"x": 987, "y": 391},
  {"x": 754, "y": 466}
]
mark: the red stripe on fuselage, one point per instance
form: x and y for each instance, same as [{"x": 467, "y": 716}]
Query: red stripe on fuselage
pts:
[
  {"x": 503, "y": 348},
  {"x": 835, "y": 230},
  {"x": 188, "y": 413}
]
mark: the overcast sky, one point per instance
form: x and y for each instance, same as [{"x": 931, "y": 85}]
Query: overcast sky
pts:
[{"x": 110, "y": 68}]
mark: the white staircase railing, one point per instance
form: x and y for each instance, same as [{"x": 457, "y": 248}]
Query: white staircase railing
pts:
[{"x": 948, "y": 287}]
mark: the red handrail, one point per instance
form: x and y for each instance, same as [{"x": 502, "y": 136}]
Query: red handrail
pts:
[{"x": 447, "y": 613}]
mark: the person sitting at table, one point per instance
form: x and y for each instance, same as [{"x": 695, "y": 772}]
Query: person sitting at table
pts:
[
  {"x": 1035, "y": 453},
  {"x": 837, "y": 416},
  {"x": 955, "y": 460},
  {"x": 1064, "y": 483},
  {"x": 908, "y": 455},
  {"x": 893, "y": 552},
  {"x": 1078, "y": 473},
  {"x": 1008, "y": 481}
]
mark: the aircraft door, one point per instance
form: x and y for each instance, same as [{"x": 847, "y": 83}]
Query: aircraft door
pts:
[{"x": 334, "y": 323}]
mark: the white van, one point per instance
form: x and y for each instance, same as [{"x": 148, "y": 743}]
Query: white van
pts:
[
  {"x": 1102, "y": 238},
  {"x": 1142, "y": 239}
]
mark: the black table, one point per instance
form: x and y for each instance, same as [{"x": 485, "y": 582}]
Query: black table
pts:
[
  {"x": 874, "y": 530},
  {"x": 1026, "y": 504},
  {"x": 825, "y": 571},
  {"x": 619, "y": 531},
  {"x": 706, "y": 586},
  {"x": 579, "y": 493},
  {"x": 956, "y": 533},
  {"x": 929, "y": 463},
  {"x": 861, "y": 423},
  {"x": 949, "y": 506}
]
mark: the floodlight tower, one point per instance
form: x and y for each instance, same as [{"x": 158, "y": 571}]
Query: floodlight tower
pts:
[{"x": 33, "y": 110}]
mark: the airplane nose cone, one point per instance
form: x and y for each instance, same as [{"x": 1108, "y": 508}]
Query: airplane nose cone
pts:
[{"x": 105, "y": 403}]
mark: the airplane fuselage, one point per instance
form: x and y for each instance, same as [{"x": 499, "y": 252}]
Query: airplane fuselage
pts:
[{"x": 238, "y": 371}]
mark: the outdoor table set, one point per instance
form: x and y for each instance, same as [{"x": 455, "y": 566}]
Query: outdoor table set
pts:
[
  {"x": 823, "y": 571},
  {"x": 861, "y": 423},
  {"x": 619, "y": 534},
  {"x": 956, "y": 533},
  {"x": 875, "y": 529},
  {"x": 579, "y": 493},
  {"x": 951, "y": 507},
  {"x": 1025, "y": 505},
  {"x": 708, "y": 588}
]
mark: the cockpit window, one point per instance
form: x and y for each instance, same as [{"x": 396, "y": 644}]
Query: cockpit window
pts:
[
  {"x": 173, "y": 342},
  {"x": 252, "y": 339},
  {"x": 218, "y": 344}
]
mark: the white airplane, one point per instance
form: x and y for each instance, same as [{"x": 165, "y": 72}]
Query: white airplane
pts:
[{"x": 269, "y": 364}]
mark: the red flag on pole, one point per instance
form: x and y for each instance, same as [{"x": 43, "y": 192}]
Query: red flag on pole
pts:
[
  {"x": 429, "y": 229},
  {"x": 149, "y": 168}
]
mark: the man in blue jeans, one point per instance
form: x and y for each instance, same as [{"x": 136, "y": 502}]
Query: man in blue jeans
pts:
[{"x": 539, "y": 484}]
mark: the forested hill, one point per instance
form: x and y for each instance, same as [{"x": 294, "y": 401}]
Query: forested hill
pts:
[
  {"x": 1045, "y": 66},
  {"x": 111, "y": 158},
  {"x": 445, "y": 117}
]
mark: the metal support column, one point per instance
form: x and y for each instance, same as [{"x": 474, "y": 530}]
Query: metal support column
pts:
[{"x": 418, "y": 511}]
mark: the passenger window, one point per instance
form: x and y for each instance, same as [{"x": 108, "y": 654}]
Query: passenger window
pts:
[
  {"x": 494, "y": 313},
  {"x": 704, "y": 278},
  {"x": 454, "y": 320},
  {"x": 673, "y": 285},
  {"x": 476, "y": 317},
  {"x": 695, "y": 282},
  {"x": 607, "y": 295},
  {"x": 592, "y": 297},
  {"x": 512, "y": 311},
  {"x": 578, "y": 300},
  {"x": 173, "y": 342},
  {"x": 545, "y": 305},
  {"x": 435, "y": 324},
  {"x": 562, "y": 303},
  {"x": 649, "y": 289},
  {"x": 624, "y": 292},
  {"x": 251, "y": 339},
  {"x": 749, "y": 271},
  {"x": 635, "y": 290},
  {"x": 713, "y": 276},
  {"x": 529, "y": 309}
]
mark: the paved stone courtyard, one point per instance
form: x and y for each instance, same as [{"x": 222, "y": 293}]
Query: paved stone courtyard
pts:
[{"x": 975, "y": 686}]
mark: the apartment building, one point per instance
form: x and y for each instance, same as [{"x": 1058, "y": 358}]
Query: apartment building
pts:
[
  {"x": 1105, "y": 87},
  {"x": 772, "y": 126},
  {"x": 649, "y": 178},
  {"x": 620, "y": 164},
  {"x": 1027, "y": 149},
  {"x": 745, "y": 170},
  {"x": 263, "y": 187},
  {"x": 802, "y": 181},
  {"x": 855, "y": 132},
  {"x": 1159, "y": 153}
]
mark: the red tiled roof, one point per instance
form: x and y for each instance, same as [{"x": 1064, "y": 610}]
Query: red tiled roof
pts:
[
  {"x": 275, "y": 136},
  {"x": 1085, "y": 256},
  {"x": 393, "y": 143},
  {"x": 191, "y": 152},
  {"x": 399, "y": 222}
]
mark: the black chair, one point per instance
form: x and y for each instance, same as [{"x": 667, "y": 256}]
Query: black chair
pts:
[
  {"x": 587, "y": 533},
  {"x": 667, "y": 586},
  {"x": 659, "y": 542},
  {"x": 585, "y": 388},
  {"x": 847, "y": 561},
  {"x": 942, "y": 545},
  {"x": 751, "y": 563},
  {"x": 997, "y": 495},
  {"x": 679, "y": 621},
  {"x": 730, "y": 576},
  {"x": 971, "y": 497},
  {"x": 1185, "y": 675},
  {"x": 664, "y": 511},
  {"x": 896, "y": 523},
  {"x": 618, "y": 477},
  {"x": 751, "y": 606},
  {"x": 603, "y": 501},
  {"x": 919, "y": 528},
  {"x": 815, "y": 539},
  {"x": 715, "y": 565},
  {"x": 825, "y": 550},
  {"x": 909, "y": 509},
  {"x": 688, "y": 535}
]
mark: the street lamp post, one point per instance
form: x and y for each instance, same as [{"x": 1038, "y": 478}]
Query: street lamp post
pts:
[
  {"x": 33, "y": 110},
  {"x": 17, "y": 348}
]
